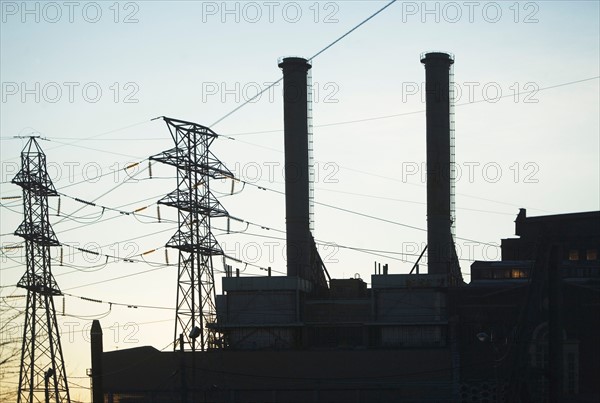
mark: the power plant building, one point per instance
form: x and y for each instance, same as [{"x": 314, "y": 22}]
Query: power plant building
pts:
[{"x": 306, "y": 337}]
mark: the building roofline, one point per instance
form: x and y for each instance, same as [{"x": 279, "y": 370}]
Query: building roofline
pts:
[{"x": 565, "y": 216}]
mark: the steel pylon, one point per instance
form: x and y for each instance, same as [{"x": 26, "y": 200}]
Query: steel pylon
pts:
[
  {"x": 196, "y": 244},
  {"x": 42, "y": 376}
]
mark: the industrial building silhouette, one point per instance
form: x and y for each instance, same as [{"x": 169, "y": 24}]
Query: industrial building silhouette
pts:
[{"x": 524, "y": 329}]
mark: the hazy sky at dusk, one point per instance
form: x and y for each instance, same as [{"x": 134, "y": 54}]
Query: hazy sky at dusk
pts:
[{"x": 91, "y": 88}]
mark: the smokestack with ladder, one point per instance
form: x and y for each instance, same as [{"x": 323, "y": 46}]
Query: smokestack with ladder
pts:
[
  {"x": 295, "y": 115},
  {"x": 440, "y": 246}
]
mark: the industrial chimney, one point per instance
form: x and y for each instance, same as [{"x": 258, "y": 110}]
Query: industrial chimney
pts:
[
  {"x": 440, "y": 246},
  {"x": 295, "y": 113}
]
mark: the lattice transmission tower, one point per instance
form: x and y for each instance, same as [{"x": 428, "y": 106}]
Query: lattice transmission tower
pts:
[
  {"x": 42, "y": 377},
  {"x": 196, "y": 205}
]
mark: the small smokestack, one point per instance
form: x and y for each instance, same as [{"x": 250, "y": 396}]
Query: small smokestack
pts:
[
  {"x": 437, "y": 90},
  {"x": 295, "y": 114},
  {"x": 97, "y": 371}
]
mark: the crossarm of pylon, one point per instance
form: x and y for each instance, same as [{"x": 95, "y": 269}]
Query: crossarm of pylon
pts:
[
  {"x": 207, "y": 245},
  {"x": 180, "y": 158},
  {"x": 207, "y": 205},
  {"x": 36, "y": 232}
]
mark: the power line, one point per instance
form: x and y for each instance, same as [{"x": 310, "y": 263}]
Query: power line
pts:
[
  {"x": 112, "y": 303},
  {"x": 120, "y": 215},
  {"x": 407, "y": 201},
  {"x": 52, "y": 138},
  {"x": 370, "y": 252},
  {"x": 90, "y": 137},
  {"x": 110, "y": 190},
  {"x": 365, "y": 215},
  {"x": 86, "y": 180},
  {"x": 311, "y": 58},
  {"x": 107, "y": 256},
  {"x": 231, "y": 136},
  {"x": 135, "y": 212},
  {"x": 133, "y": 260},
  {"x": 368, "y": 119},
  {"x": 373, "y": 251},
  {"x": 96, "y": 149},
  {"x": 376, "y": 252},
  {"x": 396, "y": 179},
  {"x": 115, "y": 278}
]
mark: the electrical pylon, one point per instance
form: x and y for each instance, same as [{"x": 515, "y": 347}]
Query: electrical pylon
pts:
[
  {"x": 42, "y": 377},
  {"x": 196, "y": 244}
]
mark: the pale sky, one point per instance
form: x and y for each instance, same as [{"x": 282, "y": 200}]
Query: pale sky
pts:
[{"x": 90, "y": 78}]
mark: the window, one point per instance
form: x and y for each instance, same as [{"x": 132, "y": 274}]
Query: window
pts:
[
  {"x": 573, "y": 254},
  {"x": 501, "y": 273},
  {"x": 592, "y": 254},
  {"x": 484, "y": 273},
  {"x": 519, "y": 273},
  {"x": 571, "y": 368},
  {"x": 571, "y": 373},
  {"x": 539, "y": 356}
]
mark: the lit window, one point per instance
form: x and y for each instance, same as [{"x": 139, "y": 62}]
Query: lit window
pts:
[
  {"x": 592, "y": 254},
  {"x": 518, "y": 273},
  {"x": 573, "y": 254}
]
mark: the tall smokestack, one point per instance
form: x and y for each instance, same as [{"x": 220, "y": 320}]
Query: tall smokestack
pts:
[
  {"x": 440, "y": 247},
  {"x": 295, "y": 115}
]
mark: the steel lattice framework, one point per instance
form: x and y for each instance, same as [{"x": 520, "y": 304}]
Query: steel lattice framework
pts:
[
  {"x": 196, "y": 244},
  {"x": 42, "y": 376}
]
